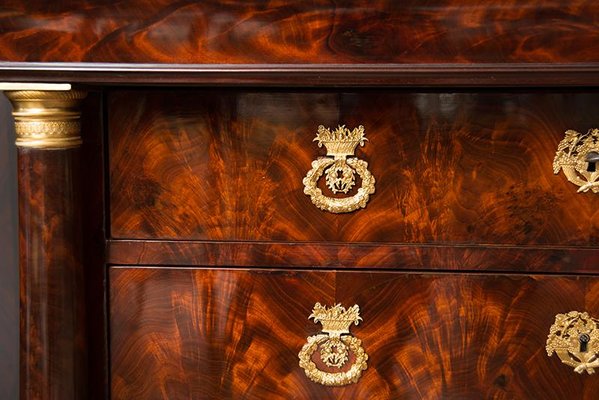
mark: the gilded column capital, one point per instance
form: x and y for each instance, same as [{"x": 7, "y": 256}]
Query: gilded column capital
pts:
[{"x": 48, "y": 118}]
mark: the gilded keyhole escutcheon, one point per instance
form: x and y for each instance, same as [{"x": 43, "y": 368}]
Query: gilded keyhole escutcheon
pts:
[
  {"x": 334, "y": 347},
  {"x": 578, "y": 156},
  {"x": 574, "y": 337},
  {"x": 339, "y": 168}
]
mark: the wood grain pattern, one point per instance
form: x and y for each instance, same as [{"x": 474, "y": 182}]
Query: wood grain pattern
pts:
[
  {"x": 458, "y": 167},
  {"x": 284, "y": 31},
  {"x": 236, "y": 334},
  {"x": 53, "y": 343},
  {"x": 354, "y": 255}
]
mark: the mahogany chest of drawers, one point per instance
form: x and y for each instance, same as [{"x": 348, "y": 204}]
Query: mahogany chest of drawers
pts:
[{"x": 306, "y": 200}]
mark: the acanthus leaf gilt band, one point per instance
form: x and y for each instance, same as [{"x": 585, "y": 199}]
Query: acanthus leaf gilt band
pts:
[
  {"x": 47, "y": 119},
  {"x": 339, "y": 171}
]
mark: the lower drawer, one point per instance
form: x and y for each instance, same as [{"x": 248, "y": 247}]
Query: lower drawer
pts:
[{"x": 186, "y": 333}]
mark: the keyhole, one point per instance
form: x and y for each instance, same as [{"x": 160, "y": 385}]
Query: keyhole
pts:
[
  {"x": 584, "y": 340},
  {"x": 592, "y": 158}
]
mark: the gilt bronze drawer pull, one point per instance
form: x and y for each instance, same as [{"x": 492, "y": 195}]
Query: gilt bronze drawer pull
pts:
[
  {"x": 334, "y": 346},
  {"x": 339, "y": 171},
  {"x": 578, "y": 155},
  {"x": 574, "y": 337}
]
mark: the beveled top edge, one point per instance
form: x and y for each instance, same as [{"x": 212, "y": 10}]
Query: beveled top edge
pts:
[
  {"x": 18, "y": 86},
  {"x": 330, "y": 68},
  {"x": 468, "y": 75}
]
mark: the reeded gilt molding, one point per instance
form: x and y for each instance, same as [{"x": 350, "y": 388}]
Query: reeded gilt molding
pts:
[{"x": 46, "y": 116}]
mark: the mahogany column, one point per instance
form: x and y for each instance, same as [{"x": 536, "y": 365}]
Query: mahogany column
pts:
[{"x": 53, "y": 347}]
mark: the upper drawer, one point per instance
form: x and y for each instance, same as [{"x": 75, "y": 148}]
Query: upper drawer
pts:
[{"x": 467, "y": 167}]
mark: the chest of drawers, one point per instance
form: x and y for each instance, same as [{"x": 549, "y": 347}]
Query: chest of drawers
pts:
[{"x": 311, "y": 200}]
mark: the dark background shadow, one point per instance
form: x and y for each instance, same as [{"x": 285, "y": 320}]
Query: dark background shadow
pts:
[{"x": 9, "y": 285}]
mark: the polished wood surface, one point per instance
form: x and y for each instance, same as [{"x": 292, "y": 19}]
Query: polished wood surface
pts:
[
  {"x": 284, "y": 31},
  {"x": 293, "y": 75},
  {"x": 9, "y": 267},
  {"x": 456, "y": 168},
  {"x": 209, "y": 109},
  {"x": 354, "y": 256},
  {"x": 213, "y": 334},
  {"x": 53, "y": 343}
]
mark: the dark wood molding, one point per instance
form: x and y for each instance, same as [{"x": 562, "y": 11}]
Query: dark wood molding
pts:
[
  {"x": 530, "y": 259},
  {"x": 413, "y": 75}
]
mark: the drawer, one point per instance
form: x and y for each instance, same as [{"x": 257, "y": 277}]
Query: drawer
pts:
[
  {"x": 196, "y": 333},
  {"x": 450, "y": 167}
]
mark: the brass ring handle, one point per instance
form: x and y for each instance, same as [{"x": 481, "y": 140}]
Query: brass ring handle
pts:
[
  {"x": 332, "y": 348},
  {"x": 339, "y": 171},
  {"x": 574, "y": 337},
  {"x": 578, "y": 156}
]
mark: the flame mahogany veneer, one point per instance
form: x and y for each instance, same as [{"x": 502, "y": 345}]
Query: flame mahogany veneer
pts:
[
  {"x": 180, "y": 333},
  {"x": 308, "y": 32},
  {"x": 213, "y": 178},
  {"x": 451, "y": 167},
  {"x": 175, "y": 255}
]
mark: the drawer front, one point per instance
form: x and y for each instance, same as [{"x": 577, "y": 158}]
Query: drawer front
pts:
[
  {"x": 195, "y": 333},
  {"x": 449, "y": 167}
]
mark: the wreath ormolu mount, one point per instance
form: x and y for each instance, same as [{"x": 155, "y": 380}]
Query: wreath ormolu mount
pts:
[
  {"x": 578, "y": 155},
  {"x": 339, "y": 170},
  {"x": 574, "y": 337},
  {"x": 334, "y": 346}
]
